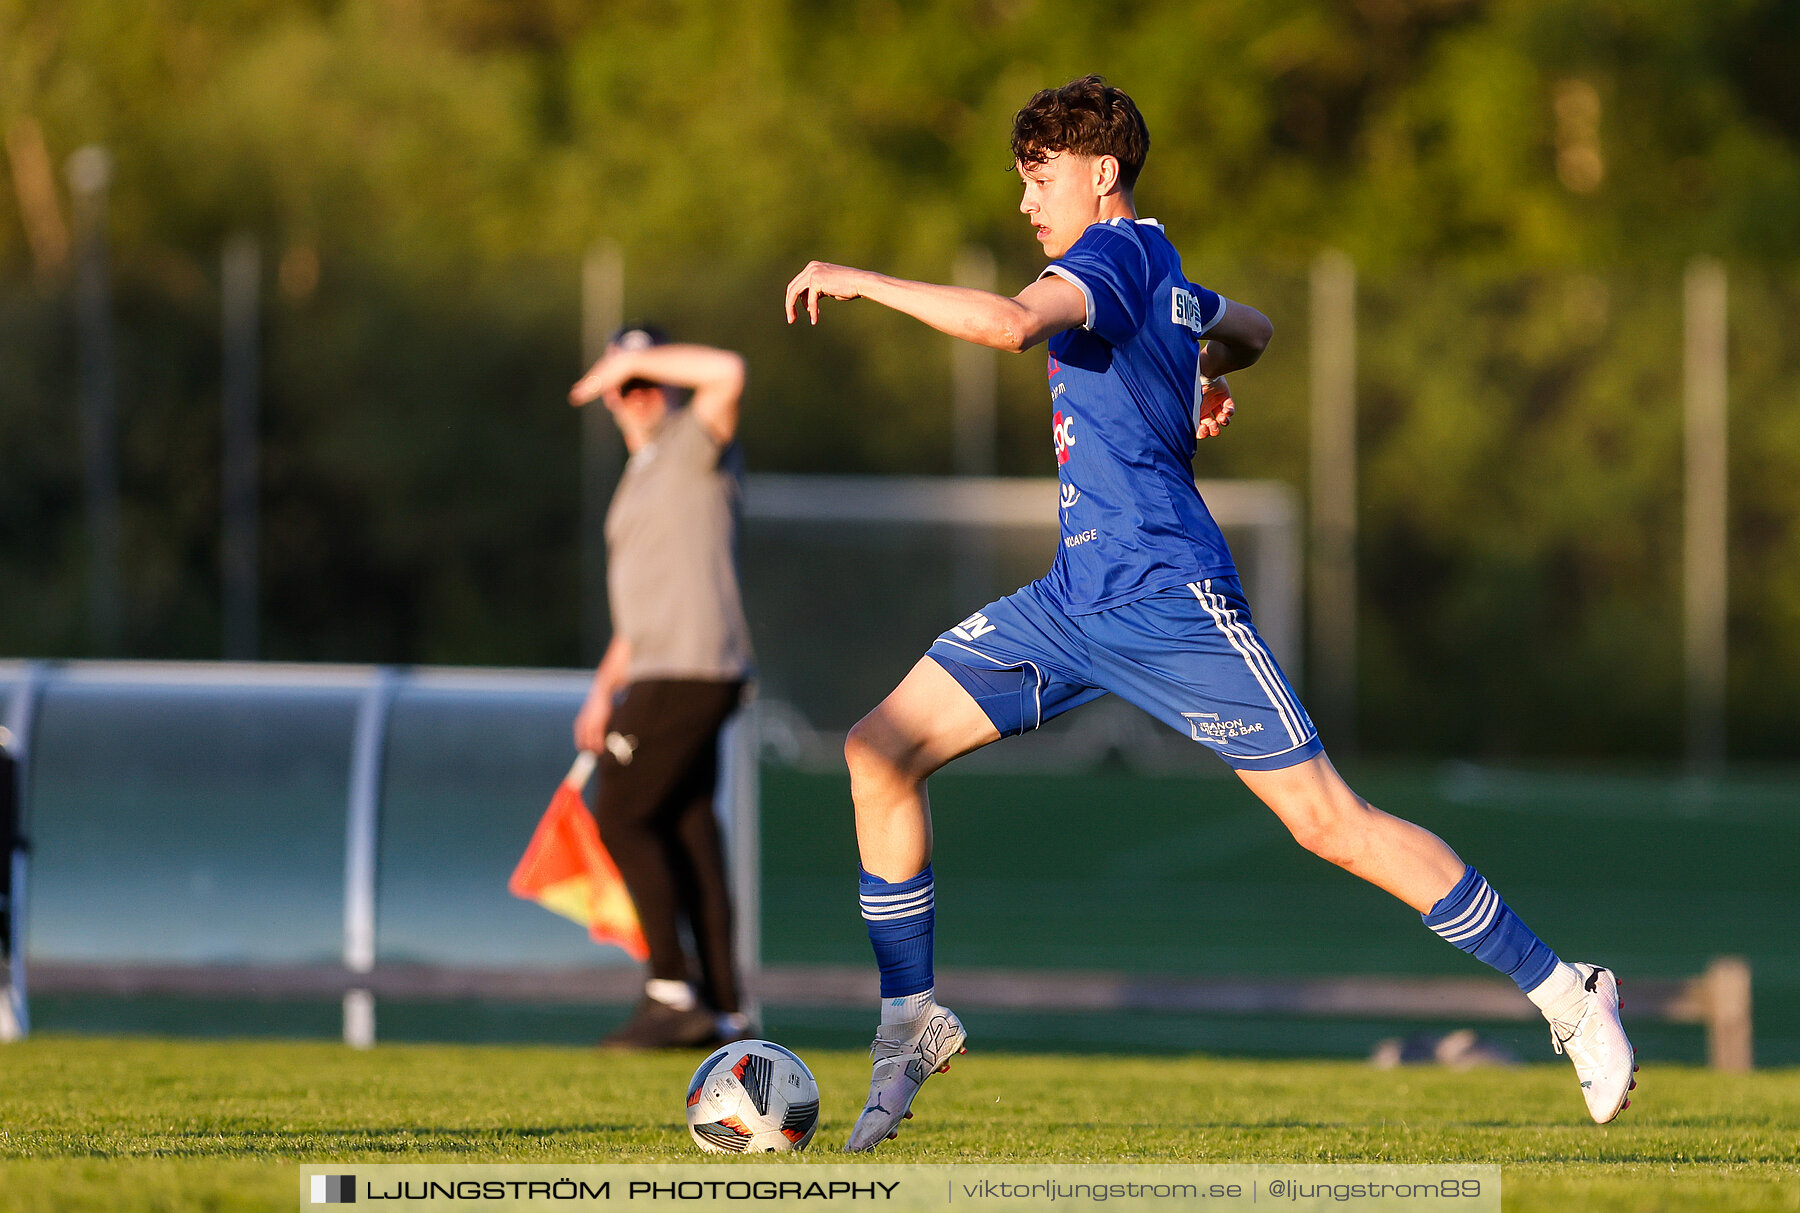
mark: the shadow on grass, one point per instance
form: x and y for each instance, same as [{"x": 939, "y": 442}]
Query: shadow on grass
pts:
[{"x": 411, "y": 1139}]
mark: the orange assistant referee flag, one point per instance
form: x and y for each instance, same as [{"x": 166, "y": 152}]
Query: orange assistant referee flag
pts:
[{"x": 566, "y": 870}]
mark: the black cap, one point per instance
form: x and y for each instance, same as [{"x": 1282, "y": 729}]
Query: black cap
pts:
[{"x": 638, "y": 337}]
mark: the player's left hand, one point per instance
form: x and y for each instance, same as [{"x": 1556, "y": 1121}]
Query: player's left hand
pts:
[
  {"x": 820, "y": 280},
  {"x": 1216, "y": 408}
]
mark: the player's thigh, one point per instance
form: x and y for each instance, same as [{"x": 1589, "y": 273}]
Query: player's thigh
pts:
[
  {"x": 925, "y": 722},
  {"x": 1309, "y": 797},
  {"x": 1004, "y": 670},
  {"x": 1325, "y": 816},
  {"x": 1020, "y": 658}
]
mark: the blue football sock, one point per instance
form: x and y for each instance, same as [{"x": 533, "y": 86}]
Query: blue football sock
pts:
[
  {"x": 899, "y": 917},
  {"x": 1474, "y": 918}
]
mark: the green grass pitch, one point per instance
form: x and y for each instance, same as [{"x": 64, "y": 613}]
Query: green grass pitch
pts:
[{"x": 141, "y": 1124}]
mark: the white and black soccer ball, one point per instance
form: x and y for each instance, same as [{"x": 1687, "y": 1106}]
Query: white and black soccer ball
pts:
[{"x": 752, "y": 1097}]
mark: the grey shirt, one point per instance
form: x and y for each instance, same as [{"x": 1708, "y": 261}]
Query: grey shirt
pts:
[{"x": 671, "y": 543}]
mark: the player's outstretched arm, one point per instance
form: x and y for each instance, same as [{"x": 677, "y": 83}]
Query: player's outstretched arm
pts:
[
  {"x": 1041, "y": 310},
  {"x": 715, "y": 376}
]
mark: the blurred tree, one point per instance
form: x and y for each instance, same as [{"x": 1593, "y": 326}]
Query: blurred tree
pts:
[{"x": 1519, "y": 182}]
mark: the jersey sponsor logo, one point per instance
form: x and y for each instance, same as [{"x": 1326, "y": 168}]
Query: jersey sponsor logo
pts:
[
  {"x": 1184, "y": 309},
  {"x": 1079, "y": 538},
  {"x": 1070, "y": 495},
  {"x": 1062, "y": 429},
  {"x": 1207, "y": 727},
  {"x": 974, "y": 627}
]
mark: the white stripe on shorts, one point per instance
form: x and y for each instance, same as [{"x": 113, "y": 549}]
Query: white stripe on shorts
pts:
[
  {"x": 1282, "y": 694},
  {"x": 1262, "y": 666}
]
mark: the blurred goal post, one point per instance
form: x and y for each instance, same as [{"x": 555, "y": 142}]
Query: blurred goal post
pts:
[{"x": 1265, "y": 512}]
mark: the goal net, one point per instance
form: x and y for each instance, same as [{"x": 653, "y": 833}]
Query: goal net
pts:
[{"x": 848, "y": 579}]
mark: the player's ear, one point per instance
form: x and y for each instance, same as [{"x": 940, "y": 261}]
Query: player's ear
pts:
[{"x": 1106, "y": 175}]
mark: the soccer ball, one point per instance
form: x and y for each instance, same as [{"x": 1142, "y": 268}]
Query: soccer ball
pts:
[{"x": 752, "y": 1097}]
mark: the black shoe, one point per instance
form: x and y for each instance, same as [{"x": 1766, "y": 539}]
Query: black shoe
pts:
[{"x": 657, "y": 1025}]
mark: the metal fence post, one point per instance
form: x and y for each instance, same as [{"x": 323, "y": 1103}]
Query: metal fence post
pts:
[
  {"x": 90, "y": 174},
  {"x": 1729, "y": 1043},
  {"x": 602, "y": 450},
  {"x": 362, "y": 835},
  {"x": 1706, "y": 501},
  {"x": 240, "y": 300},
  {"x": 974, "y": 378},
  {"x": 739, "y": 803},
  {"x": 1331, "y": 682},
  {"x": 974, "y": 431}
]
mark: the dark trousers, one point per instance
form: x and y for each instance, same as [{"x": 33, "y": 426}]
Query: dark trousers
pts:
[{"x": 655, "y": 811}]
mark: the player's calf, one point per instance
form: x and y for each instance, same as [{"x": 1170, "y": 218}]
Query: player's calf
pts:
[{"x": 1329, "y": 819}]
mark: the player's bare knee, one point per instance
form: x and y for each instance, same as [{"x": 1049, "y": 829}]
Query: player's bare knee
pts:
[
  {"x": 861, "y": 743},
  {"x": 1330, "y": 829},
  {"x": 861, "y": 755},
  {"x": 875, "y": 753},
  {"x": 893, "y": 743},
  {"x": 1310, "y": 832},
  {"x": 1335, "y": 844}
]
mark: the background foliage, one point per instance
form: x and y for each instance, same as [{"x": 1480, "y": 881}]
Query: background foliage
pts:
[{"x": 1521, "y": 184}]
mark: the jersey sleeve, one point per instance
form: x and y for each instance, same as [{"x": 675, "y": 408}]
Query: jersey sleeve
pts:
[
  {"x": 1112, "y": 273},
  {"x": 1210, "y": 308}
]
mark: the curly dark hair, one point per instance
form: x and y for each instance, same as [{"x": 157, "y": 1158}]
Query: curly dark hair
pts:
[{"x": 1088, "y": 117}]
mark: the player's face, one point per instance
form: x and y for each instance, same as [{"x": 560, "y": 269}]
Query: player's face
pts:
[
  {"x": 642, "y": 406},
  {"x": 1061, "y": 199}
]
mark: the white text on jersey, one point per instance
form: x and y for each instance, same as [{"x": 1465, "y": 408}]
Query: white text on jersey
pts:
[
  {"x": 1184, "y": 309},
  {"x": 974, "y": 627}
]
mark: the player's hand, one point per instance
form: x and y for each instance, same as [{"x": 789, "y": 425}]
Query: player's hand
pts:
[
  {"x": 1216, "y": 408},
  {"x": 821, "y": 280},
  {"x": 592, "y": 721}
]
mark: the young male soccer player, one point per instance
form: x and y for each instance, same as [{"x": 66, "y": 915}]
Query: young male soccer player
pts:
[{"x": 1143, "y": 601}]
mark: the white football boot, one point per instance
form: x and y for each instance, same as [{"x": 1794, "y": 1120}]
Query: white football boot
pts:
[
  {"x": 905, "y": 1055},
  {"x": 1589, "y": 1033}
]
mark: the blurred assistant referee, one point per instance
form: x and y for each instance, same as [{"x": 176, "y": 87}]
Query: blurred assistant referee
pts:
[{"x": 675, "y": 671}]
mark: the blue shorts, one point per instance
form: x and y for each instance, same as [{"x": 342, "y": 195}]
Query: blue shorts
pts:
[{"x": 1188, "y": 655}]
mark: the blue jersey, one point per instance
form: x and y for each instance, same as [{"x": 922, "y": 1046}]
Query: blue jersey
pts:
[{"x": 1122, "y": 387}]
